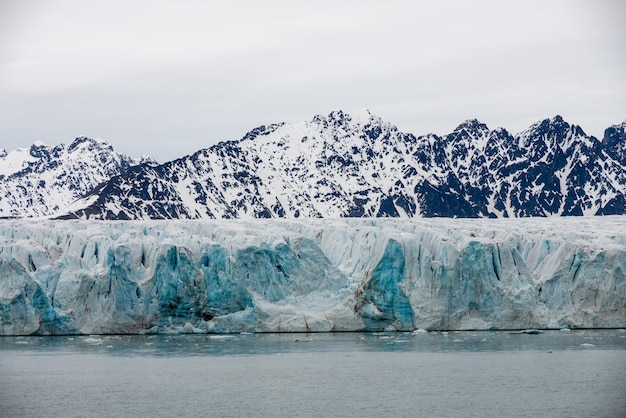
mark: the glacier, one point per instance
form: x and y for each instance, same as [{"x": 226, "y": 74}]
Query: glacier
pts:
[{"x": 311, "y": 275}]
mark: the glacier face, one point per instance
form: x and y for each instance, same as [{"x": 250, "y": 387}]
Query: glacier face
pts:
[{"x": 86, "y": 277}]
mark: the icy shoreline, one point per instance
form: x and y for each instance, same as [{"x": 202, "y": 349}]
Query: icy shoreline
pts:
[{"x": 227, "y": 276}]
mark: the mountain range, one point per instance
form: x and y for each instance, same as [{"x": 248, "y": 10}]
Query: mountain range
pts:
[
  {"x": 43, "y": 179},
  {"x": 334, "y": 166}
]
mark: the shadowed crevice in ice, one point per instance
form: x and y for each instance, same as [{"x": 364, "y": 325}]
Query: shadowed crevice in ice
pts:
[{"x": 382, "y": 301}]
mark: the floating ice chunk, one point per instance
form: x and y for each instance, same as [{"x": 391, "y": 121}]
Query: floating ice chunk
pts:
[
  {"x": 93, "y": 341},
  {"x": 420, "y": 331},
  {"x": 565, "y": 330},
  {"x": 587, "y": 345}
]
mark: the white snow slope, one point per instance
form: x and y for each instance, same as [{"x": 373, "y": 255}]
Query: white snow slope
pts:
[
  {"x": 106, "y": 277},
  {"x": 42, "y": 179}
]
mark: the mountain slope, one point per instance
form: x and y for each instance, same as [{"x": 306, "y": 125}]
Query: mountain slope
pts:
[
  {"x": 614, "y": 142},
  {"x": 41, "y": 180},
  {"x": 361, "y": 166}
]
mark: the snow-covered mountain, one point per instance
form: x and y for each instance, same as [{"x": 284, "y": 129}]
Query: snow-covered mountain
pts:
[
  {"x": 361, "y": 166},
  {"x": 42, "y": 179}
]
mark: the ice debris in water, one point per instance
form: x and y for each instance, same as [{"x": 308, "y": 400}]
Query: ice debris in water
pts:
[{"x": 93, "y": 341}]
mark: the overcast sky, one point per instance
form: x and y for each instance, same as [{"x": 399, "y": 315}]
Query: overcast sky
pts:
[{"x": 166, "y": 78}]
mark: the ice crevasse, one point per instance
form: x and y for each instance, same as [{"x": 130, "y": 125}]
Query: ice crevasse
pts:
[{"x": 224, "y": 276}]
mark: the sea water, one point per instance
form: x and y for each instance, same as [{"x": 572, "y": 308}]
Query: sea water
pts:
[{"x": 421, "y": 374}]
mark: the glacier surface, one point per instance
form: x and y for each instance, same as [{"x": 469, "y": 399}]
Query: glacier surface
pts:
[{"x": 111, "y": 277}]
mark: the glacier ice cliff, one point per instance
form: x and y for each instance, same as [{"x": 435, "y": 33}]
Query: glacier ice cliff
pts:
[{"x": 105, "y": 277}]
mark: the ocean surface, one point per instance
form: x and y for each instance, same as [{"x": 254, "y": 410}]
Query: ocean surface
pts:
[{"x": 456, "y": 374}]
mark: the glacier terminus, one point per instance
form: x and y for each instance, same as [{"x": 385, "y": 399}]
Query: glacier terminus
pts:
[{"x": 311, "y": 275}]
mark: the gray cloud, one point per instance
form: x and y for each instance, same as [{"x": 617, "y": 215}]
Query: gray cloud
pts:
[{"x": 167, "y": 79}]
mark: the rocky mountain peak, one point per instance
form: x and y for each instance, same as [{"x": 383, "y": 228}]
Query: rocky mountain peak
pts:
[
  {"x": 43, "y": 179},
  {"x": 339, "y": 165},
  {"x": 472, "y": 126},
  {"x": 343, "y": 165},
  {"x": 614, "y": 141}
]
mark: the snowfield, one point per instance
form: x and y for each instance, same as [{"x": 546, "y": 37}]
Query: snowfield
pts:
[{"x": 225, "y": 276}]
